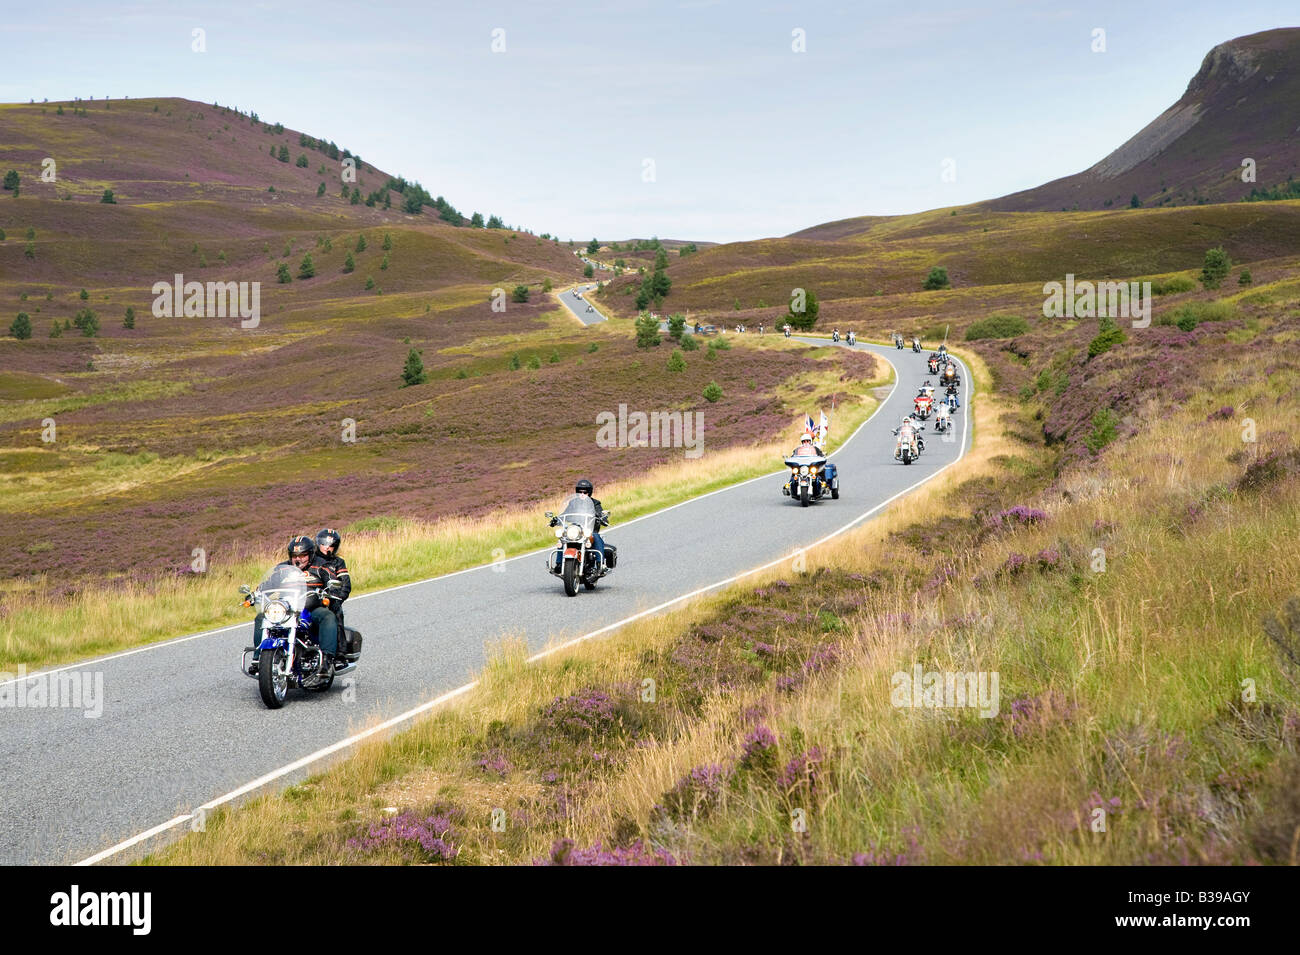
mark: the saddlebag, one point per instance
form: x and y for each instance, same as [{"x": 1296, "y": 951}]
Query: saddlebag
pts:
[{"x": 351, "y": 642}]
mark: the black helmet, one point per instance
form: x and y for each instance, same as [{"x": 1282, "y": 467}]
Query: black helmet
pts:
[
  {"x": 583, "y": 487},
  {"x": 328, "y": 536},
  {"x": 301, "y": 545}
]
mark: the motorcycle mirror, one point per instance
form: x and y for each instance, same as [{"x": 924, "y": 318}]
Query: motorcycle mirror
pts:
[
  {"x": 245, "y": 590},
  {"x": 549, "y": 515}
]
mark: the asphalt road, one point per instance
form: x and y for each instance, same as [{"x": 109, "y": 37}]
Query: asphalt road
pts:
[
  {"x": 181, "y": 726},
  {"x": 578, "y": 306}
]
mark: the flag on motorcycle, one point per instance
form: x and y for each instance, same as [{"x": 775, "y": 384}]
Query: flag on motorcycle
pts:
[
  {"x": 823, "y": 431},
  {"x": 809, "y": 428}
]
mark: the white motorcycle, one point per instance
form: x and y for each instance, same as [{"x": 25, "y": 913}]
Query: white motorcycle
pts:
[{"x": 575, "y": 558}]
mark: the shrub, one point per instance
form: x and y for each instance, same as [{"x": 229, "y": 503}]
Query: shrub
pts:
[
  {"x": 647, "y": 331},
  {"x": 21, "y": 328},
  {"x": 283, "y": 154},
  {"x": 128, "y": 321},
  {"x": 29, "y": 250},
  {"x": 1244, "y": 278},
  {"x": 349, "y": 264},
  {"x": 301, "y": 161},
  {"x": 534, "y": 363},
  {"x": 555, "y": 357},
  {"x": 547, "y": 285},
  {"x": 56, "y": 330},
  {"x": 83, "y": 295},
  {"x": 1217, "y": 264},
  {"x": 676, "y": 363},
  {"x": 361, "y": 242},
  {"x": 320, "y": 190},
  {"x": 720, "y": 344},
  {"x": 108, "y": 198},
  {"x": 1172, "y": 285},
  {"x": 520, "y": 293},
  {"x": 307, "y": 269},
  {"x": 370, "y": 283},
  {"x": 593, "y": 347},
  {"x": 997, "y": 326},
  {"x": 1104, "y": 422},
  {"x": 413, "y": 371},
  {"x": 1109, "y": 336},
  {"x": 806, "y": 319},
  {"x": 689, "y": 343},
  {"x": 11, "y": 181},
  {"x": 712, "y": 392},
  {"x": 383, "y": 266},
  {"x": 588, "y": 271},
  {"x": 282, "y": 273},
  {"x": 514, "y": 362},
  {"x": 88, "y": 322},
  {"x": 676, "y": 326},
  {"x": 937, "y": 279}
]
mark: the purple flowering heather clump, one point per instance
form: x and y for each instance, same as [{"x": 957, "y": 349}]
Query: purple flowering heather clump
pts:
[
  {"x": 764, "y": 649},
  {"x": 822, "y": 658},
  {"x": 754, "y": 714},
  {"x": 1223, "y": 414},
  {"x": 585, "y": 714},
  {"x": 495, "y": 761},
  {"x": 1014, "y": 564},
  {"x": 695, "y": 793},
  {"x": 564, "y": 852},
  {"x": 1037, "y": 715},
  {"x": 759, "y": 749},
  {"x": 1049, "y": 559},
  {"x": 1016, "y": 516},
  {"x": 803, "y": 772},
  {"x": 433, "y": 834},
  {"x": 875, "y": 855}
]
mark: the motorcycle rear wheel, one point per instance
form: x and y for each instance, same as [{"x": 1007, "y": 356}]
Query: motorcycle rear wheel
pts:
[
  {"x": 570, "y": 576},
  {"x": 271, "y": 683}
]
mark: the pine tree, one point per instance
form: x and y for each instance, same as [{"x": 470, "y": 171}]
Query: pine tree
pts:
[
  {"x": 282, "y": 273},
  {"x": 413, "y": 373},
  {"x": 361, "y": 242},
  {"x": 349, "y": 264},
  {"x": 21, "y": 328},
  {"x": 388, "y": 241},
  {"x": 129, "y": 320},
  {"x": 308, "y": 268}
]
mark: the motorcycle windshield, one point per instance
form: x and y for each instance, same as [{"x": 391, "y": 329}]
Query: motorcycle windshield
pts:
[
  {"x": 580, "y": 510},
  {"x": 287, "y": 583}
]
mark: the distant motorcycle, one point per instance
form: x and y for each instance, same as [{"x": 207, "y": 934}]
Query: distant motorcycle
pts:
[
  {"x": 811, "y": 476},
  {"x": 835, "y": 335},
  {"x": 950, "y": 376},
  {"x": 922, "y": 405},
  {"x": 933, "y": 364},
  {"x": 852, "y": 340},
  {"x": 916, "y": 345},
  {"x": 289, "y": 654},
  {"x": 575, "y": 558}
]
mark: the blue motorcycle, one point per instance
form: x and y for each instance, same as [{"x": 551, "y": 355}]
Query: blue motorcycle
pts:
[
  {"x": 289, "y": 654},
  {"x": 811, "y": 477}
]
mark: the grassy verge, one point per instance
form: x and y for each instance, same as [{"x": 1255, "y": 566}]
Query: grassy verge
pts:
[
  {"x": 43, "y": 629},
  {"x": 1143, "y": 715}
]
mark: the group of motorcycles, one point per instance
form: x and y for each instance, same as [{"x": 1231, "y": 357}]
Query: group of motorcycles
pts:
[{"x": 910, "y": 442}]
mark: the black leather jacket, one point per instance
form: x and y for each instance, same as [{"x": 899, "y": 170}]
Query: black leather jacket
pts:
[{"x": 334, "y": 569}]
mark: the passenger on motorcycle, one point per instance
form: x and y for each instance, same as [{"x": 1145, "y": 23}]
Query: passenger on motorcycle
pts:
[
  {"x": 302, "y": 553},
  {"x": 608, "y": 552},
  {"x": 334, "y": 570}
]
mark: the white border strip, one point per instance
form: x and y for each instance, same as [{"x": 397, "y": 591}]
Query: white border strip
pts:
[{"x": 425, "y": 707}]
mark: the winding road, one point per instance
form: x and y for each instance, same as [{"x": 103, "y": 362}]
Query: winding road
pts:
[{"x": 182, "y": 730}]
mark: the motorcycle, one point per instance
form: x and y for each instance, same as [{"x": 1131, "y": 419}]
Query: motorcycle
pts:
[
  {"x": 898, "y": 341},
  {"x": 907, "y": 449},
  {"x": 289, "y": 654},
  {"x": 941, "y": 420},
  {"x": 575, "y": 558},
  {"x": 811, "y": 476},
  {"x": 950, "y": 375},
  {"x": 933, "y": 364},
  {"x": 916, "y": 346},
  {"x": 852, "y": 339},
  {"x": 950, "y": 398},
  {"x": 922, "y": 405},
  {"x": 835, "y": 335}
]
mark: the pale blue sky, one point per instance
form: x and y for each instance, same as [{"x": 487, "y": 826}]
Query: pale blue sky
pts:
[{"x": 749, "y": 138}]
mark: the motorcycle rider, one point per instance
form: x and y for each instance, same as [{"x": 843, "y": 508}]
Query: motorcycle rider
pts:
[
  {"x": 910, "y": 423},
  {"x": 335, "y": 570},
  {"x": 608, "y": 552},
  {"x": 302, "y": 553}
]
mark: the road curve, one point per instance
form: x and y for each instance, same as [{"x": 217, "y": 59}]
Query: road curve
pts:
[
  {"x": 578, "y": 306},
  {"x": 181, "y": 726}
]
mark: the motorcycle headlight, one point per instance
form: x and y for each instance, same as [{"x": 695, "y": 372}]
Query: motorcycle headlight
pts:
[
  {"x": 574, "y": 532},
  {"x": 276, "y": 613},
  {"x": 559, "y": 532},
  {"x": 804, "y": 469}
]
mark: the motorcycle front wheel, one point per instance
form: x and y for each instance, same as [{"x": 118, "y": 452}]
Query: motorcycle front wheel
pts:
[
  {"x": 804, "y": 496},
  {"x": 272, "y": 683},
  {"x": 571, "y": 577}
]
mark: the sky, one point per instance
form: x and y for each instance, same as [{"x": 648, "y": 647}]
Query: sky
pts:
[{"x": 697, "y": 119}]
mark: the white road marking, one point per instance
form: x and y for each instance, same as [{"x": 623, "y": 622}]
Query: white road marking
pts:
[{"x": 425, "y": 707}]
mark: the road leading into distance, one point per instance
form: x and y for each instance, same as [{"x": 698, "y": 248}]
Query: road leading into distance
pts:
[{"x": 182, "y": 728}]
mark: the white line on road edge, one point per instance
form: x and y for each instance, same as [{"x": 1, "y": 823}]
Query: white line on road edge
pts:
[
  {"x": 425, "y": 707},
  {"x": 174, "y": 641}
]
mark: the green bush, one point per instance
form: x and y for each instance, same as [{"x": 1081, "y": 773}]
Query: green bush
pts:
[
  {"x": 1190, "y": 314},
  {"x": 306, "y": 269},
  {"x": 413, "y": 372},
  {"x": 534, "y": 362},
  {"x": 282, "y": 273},
  {"x": 128, "y": 320},
  {"x": 108, "y": 198},
  {"x": 937, "y": 279},
  {"x": 1245, "y": 277},
  {"x": 514, "y": 364},
  {"x": 676, "y": 326},
  {"x": 1109, "y": 336},
  {"x": 1217, "y": 264},
  {"x": 689, "y": 343},
  {"x": 997, "y": 326},
  {"x": 676, "y": 362},
  {"x": 647, "y": 330},
  {"x": 1104, "y": 423},
  {"x": 88, "y": 322},
  {"x": 520, "y": 293},
  {"x": 593, "y": 347},
  {"x": 719, "y": 344},
  {"x": 1172, "y": 285},
  {"x": 712, "y": 392},
  {"x": 555, "y": 357},
  {"x": 21, "y": 328}
]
